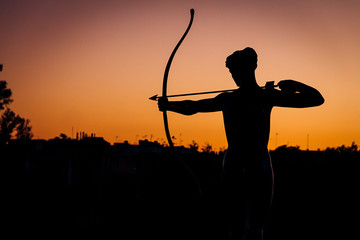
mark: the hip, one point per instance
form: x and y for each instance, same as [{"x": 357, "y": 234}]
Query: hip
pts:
[{"x": 246, "y": 159}]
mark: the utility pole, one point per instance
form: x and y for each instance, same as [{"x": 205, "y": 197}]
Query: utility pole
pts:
[{"x": 307, "y": 142}]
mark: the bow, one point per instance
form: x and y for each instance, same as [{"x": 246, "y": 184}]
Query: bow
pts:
[
  {"x": 166, "y": 74},
  {"x": 164, "y": 90}
]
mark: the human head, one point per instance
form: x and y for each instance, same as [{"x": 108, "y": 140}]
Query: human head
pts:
[
  {"x": 246, "y": 58},
  {"x": 242, "y": 65}
]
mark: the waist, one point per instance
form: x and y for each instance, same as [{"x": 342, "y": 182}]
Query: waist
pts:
[
  {"x": 249, "y": 157},
  {"x": 247, "y": 152},
  {"x": 248, "y": 146}
]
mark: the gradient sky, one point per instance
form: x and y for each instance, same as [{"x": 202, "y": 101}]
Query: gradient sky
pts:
[{"x": 91, "y": 65}]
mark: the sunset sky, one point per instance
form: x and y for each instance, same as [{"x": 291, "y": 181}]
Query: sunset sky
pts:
[{"x": 91, "y": 65}]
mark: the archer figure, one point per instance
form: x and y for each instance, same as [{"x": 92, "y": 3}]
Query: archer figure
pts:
[{"x": 247, "y": 170}]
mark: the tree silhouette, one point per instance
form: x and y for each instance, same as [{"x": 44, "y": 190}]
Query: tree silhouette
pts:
[
  {"x": 343, "y": 149},
  {"x": 286, "y": 148},
  {"x": 194, "y": 146},
  {"x": 207, "y": 148},
  {"x": 23, "y": 129},
  {"x": 10, "y": 123},
  {"x": 5, "y": 95}
]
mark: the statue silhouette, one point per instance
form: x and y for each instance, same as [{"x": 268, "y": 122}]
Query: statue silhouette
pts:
[{"x": 247, "y": 169}]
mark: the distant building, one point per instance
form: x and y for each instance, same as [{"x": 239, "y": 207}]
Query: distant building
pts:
[{"x": 144, "y": 146}]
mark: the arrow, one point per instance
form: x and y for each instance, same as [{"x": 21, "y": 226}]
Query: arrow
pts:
[{"x": 156, "y": 97}]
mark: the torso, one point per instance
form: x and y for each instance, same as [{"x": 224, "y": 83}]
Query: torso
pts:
[{"x": 247, "y": 123}]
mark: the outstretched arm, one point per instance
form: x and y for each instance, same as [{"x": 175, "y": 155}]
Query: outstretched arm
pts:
[
  {"x": 297, "y": 95},
  {"x": 189, "y": 107}
]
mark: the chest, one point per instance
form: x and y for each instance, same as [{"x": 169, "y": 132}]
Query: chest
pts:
[{"x": 251, "y": 106}]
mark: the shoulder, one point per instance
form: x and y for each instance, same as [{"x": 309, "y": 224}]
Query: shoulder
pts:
[
  {"x": 271, "y": 92},
  {"x": 270, "y": 96},
  {"x": 216, "y": 103},
  {"x": 223, "y": 96}
]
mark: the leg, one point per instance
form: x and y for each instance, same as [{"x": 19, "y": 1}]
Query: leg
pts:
[
  {"x": 235, "y": 205},
  {"x": 260, "y": 200}
]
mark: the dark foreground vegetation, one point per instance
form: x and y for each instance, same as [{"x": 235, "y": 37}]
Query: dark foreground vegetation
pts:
[{"x": 88, "y": 188}]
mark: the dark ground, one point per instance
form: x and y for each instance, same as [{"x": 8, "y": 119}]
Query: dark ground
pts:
[
  {"x": 316, "y": 197},
  {"x": 316, "y": 194}
]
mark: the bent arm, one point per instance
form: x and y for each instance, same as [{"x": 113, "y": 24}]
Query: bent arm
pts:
[{"x": 297, "y": 95}]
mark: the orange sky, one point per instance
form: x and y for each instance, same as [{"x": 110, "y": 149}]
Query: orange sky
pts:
[{"x": 92, "y": 65}]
